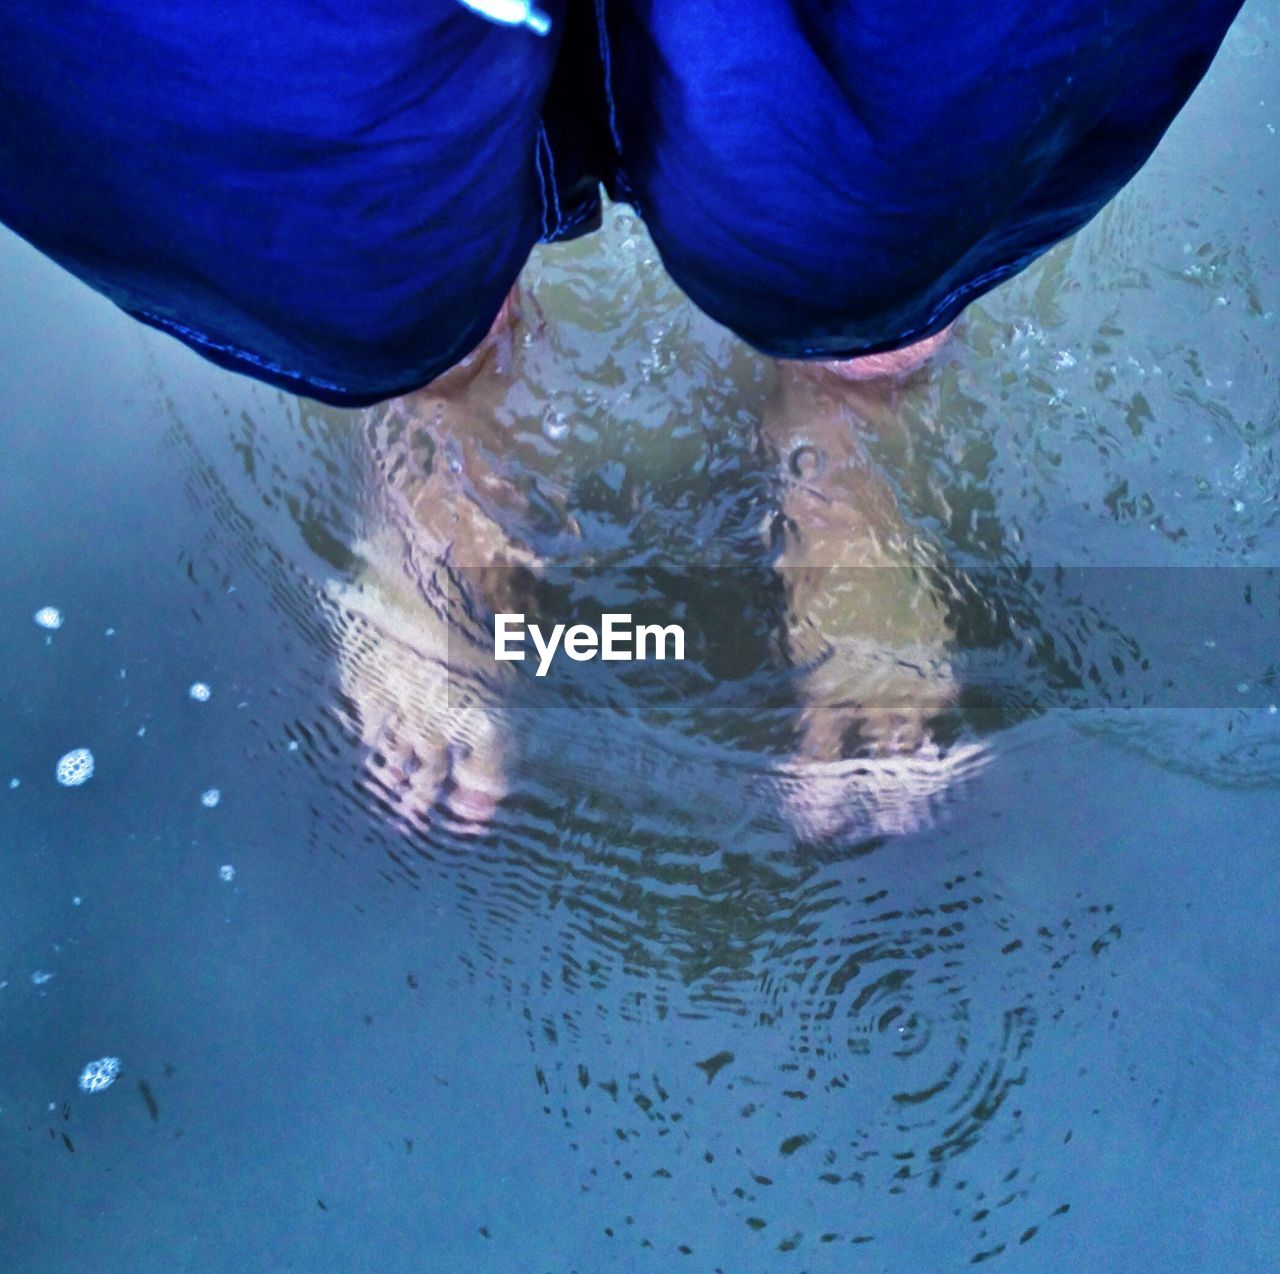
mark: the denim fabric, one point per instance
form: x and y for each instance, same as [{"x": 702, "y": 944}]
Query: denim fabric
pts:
[
  {"x": 335, "y": 199},
  {"x": 837, "y": 177}
]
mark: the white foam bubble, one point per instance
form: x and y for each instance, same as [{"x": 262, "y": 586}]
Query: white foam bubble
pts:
[
  {"x": 210, "y": 798},
  {"x": 75, "y": 767},
  {"x": 49, "y": 617},
  {"x": 100, "y": 1074},
  {"x": 200, "y": 691},
  {"x": 226, "y": 872}
]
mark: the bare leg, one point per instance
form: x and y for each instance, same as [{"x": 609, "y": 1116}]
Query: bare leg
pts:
[
  {"x": 896, "y": 364},
  {"x": 497, "y": 348},
  {"x": 440, "y": 551},
  {"x": 509, "y": 314},
  {"x": 862, "y": 626}
]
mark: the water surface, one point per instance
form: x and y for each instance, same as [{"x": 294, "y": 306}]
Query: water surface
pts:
[{"x": 716, "y": 985}]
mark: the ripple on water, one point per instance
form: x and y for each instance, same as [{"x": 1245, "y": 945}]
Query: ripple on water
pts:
[
  {"x": 794, "y": 1052},
  {"x": 794, "y": 1029}
]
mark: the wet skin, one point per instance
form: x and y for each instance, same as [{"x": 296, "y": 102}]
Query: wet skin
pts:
[{"x": 456, "y": 542}]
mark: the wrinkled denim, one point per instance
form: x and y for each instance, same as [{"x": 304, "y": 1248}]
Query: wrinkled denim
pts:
[{"x": 336, "y": 198}]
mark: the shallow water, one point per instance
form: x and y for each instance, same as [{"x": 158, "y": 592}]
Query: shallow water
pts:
[{"x": 700, "y": 993}]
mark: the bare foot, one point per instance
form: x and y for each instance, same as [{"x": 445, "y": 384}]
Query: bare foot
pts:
[
  {"x": 433, "y": 728},
  {"x": 893, "y": 365}
]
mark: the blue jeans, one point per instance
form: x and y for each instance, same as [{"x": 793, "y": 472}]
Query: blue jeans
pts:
[{"x": 336, "y": 199}]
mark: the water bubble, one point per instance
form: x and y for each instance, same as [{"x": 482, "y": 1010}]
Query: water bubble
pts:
[
  {"x": 226, "y": 872},
  {"x": 75, "y": 767},
  {"x": 554, "y": 425},
  {"x": 100, "y": 1074},
  {"x": 200, "y": 691},
  {"x": 210, "y": 798},
  {"x": 14, "y": 783},
  {"x": 40, "y": 977},
  {"x": 49, "y": 617}
]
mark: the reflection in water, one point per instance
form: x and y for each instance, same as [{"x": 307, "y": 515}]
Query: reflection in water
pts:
[{"x": 694, "y": 882}]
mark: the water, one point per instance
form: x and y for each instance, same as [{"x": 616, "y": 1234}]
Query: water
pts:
[{"x": 714, "y": 965}]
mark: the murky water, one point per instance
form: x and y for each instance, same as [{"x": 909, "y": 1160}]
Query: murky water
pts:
[{"x": 923, "y": 916}]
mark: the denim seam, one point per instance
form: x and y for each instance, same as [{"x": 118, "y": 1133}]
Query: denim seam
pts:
[
  {"x": 544, "y": 142},
  {"x": 968, "y": 287},
  {"x": 542, "y": 181},
  {"x": 577, "y": 219},
  {"x": 956, "y": 294},
  {"x": 606, "y": 60},
  {"x": 255, "y": 360}
]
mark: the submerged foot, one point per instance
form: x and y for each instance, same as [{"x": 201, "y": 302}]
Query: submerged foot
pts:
[{"x": 433, "y": 730}]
